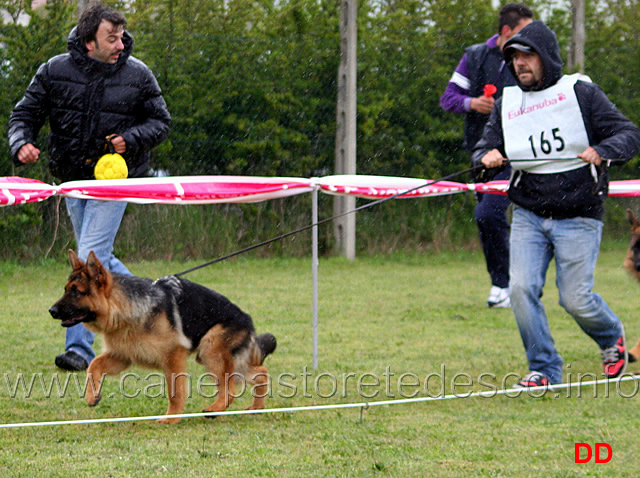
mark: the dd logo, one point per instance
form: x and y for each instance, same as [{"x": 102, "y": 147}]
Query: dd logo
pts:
[{"x": 594, "y": 452}]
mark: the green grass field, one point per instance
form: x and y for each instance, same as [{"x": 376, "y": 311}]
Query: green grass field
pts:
[{"x": 387, "y": 324}]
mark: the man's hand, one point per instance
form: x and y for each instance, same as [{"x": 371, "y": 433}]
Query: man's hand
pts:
[
  {"x": 590, "y": 155},
  {"x": 482, "y": 104},
  {"x": 493, "y": 159},
  {"x": 118, "y": 142},
  {"x": 28, "y": 153}
]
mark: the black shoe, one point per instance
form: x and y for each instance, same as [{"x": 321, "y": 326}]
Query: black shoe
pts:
[{"x": 71, "y": 361}]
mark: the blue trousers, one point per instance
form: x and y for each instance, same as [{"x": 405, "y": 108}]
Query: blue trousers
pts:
[
  {"x": 493, "y": 226},
  {"x": 575, "y": 244},
  {"x": 95, "y": 225}
]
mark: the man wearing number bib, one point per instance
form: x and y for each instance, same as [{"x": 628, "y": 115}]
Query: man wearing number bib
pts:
[{"x": 557, "y": 132}]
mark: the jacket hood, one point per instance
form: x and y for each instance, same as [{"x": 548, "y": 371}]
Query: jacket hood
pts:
[
  {"x": 79, "y": 51},
  {"x": 541, "y": 39}
]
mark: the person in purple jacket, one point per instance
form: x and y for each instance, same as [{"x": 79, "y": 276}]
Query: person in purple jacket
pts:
[{"x": 482, "y": 64}]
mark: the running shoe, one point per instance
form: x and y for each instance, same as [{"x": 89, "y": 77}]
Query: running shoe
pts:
[
  {"x": 532, "y": 379},
  {"x": 498, "y": 298},
  {"x": 615, "y": 358}
]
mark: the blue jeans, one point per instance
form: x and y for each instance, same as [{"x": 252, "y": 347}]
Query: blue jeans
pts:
[
  {"x": 95, "y": 225},
  {"x": 575, "y": 243}
]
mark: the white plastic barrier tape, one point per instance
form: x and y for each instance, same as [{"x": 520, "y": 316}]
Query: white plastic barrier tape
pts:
[{"x": 236, "y": 189}]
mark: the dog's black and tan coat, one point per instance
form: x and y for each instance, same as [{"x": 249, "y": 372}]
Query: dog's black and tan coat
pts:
[
  {"x": 632, "y": 265},
  {"x": 158, "y": 324}
]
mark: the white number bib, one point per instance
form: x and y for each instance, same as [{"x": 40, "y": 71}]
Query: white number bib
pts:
[{"x": 545, "y": 125}]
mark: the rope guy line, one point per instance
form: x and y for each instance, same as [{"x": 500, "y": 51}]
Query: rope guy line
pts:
[{"x": 510, "y": 393}]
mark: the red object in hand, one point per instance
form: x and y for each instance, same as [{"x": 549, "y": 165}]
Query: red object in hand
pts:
[{"x": 489, "y": 90}]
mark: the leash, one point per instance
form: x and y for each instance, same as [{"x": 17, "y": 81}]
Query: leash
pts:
[
  {"x": 304, "y": 228},
  {"x": 360, "y": 208}
]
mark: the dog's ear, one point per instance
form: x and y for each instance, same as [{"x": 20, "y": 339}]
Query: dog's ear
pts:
[
  {"x": 75, "y": 261},
  {"x": 632, "y": 219},
  {"x": 98, "y": 274}
]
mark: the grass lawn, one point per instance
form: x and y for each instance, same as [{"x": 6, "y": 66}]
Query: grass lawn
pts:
[{"x": 388, "y": 325}]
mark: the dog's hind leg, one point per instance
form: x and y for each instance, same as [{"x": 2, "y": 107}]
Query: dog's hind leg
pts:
[
  {"x": 634, "y": 352},
  {"x": 175, "y": 370},
  {"x": 214, "y": 352},
  {"x": 103, "y": 364}
]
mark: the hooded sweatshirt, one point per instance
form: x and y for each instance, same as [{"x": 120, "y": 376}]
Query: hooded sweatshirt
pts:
[
  {"x": 577, "y": 192},
  {"x": 85, "y": 100}
]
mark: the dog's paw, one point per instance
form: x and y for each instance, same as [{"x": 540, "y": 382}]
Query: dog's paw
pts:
[
  {"x": 210, "y": 417},
  {"x": 93, "y": 401},
  {"x": 168, "y": 421}
]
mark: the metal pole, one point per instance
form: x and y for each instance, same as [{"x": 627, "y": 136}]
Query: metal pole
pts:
[{"x": 314, "y": 272}]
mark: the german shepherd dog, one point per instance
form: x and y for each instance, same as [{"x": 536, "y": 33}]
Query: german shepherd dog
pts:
[
  {"x": 158, "y": 325},
  {"x": 632, "y": 265}
]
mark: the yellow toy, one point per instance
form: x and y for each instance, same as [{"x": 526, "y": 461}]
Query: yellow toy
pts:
[{"x": 111, "y": 166}]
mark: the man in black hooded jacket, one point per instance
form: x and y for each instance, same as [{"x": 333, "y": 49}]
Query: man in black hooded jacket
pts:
[
  {"x": 95, "y": 94},
  {"x": 557, "y": 132}
]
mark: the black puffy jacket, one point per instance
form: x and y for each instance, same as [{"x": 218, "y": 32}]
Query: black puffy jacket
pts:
[
  {"x": 86, "y": 100},
  {"x": 573, "y": 193}
]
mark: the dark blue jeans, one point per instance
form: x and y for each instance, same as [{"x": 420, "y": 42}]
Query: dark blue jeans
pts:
[{"x": 493, "y": 226}]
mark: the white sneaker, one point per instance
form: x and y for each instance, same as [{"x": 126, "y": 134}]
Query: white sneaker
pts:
[{"x": 498, "y": 298}]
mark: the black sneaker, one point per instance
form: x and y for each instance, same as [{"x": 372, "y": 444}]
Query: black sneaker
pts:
[
  {"x": 71, "y": 361},
  {"x": 532, "y": 379},
  {"x": 615, "y": 358}
]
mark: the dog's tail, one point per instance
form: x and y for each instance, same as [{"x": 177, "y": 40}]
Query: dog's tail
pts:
[{"x": 267, "y": 343}]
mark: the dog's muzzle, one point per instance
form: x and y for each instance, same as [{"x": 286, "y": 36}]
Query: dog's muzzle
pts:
[{"x": 70, "y": 318}]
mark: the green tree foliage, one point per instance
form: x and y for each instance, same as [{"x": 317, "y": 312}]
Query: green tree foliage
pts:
[
  {"x": 251, "y": 86},
  {"x": 26, "y": 230},
  {"x": 612, "y": 60},
  {"x": 25, "y": 48},
  {"x": 409, "y": 51}
]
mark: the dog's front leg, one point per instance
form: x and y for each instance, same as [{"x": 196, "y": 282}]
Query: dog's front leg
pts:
[
  {"x": 177, "y": 380},
  {"x": 102, "y": 365},
  {"x": 260, "y": 379}
]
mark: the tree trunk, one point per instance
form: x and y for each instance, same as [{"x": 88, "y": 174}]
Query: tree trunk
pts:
[{"x": 575, "y": 61}]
